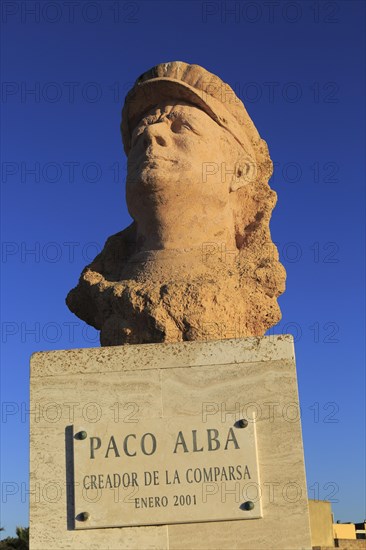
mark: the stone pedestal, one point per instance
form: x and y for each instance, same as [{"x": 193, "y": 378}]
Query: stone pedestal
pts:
[{"x": 219, "y": 404}]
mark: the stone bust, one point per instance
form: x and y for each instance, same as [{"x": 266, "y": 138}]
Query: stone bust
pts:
[{"x": 197, "y": 262}]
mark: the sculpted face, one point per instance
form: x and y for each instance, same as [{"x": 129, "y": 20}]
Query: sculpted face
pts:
[
  {"x": 180, "y": 160},
  {"x": 175, "y": 142}
]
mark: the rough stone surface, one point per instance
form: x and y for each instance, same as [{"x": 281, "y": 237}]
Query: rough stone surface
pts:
[{"x": 197, "y": 262}]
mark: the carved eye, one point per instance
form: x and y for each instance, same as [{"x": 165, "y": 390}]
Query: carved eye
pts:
[{"x": 179, "y": 125}]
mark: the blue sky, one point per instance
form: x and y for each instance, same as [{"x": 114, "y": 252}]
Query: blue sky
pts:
[{"x": 298, "y": 67}]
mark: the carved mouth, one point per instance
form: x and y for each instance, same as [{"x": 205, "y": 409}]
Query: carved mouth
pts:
[
  {"x": 153, "y": 160},
  {"x": 159, "y": 157}
]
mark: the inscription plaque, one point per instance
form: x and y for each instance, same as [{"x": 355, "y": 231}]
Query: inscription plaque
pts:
[{"x": 166, "y": 470}]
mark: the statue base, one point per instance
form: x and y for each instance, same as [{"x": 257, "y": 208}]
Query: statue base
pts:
[{"x": 188, "y": 445}]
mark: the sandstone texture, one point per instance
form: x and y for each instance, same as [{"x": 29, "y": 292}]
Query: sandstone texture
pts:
[{"x": 198, "y": 262}]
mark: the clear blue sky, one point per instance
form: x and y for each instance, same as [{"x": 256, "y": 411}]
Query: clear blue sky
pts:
[{"x": 298, "y": 67}]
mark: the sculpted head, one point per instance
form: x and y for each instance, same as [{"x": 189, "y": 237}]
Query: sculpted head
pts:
[
  {"x": 199, "y": 252},
  {"x": 192, "y": 150}
]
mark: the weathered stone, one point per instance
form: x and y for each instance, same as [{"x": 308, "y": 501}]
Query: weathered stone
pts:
[{"x": 198, "y": 262}]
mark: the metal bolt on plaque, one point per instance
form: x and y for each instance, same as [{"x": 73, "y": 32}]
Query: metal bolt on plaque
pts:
[
  {"x": 81, "y": 435},
  {"x": 242, "y": 423},
  {"x": 84, "y": 516}
]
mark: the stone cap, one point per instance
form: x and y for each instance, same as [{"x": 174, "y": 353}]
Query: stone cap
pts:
[{"x": 195, "y": 85}]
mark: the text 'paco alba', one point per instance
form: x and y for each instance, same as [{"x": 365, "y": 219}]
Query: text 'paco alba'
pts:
[{"x": 147, "y": 444}]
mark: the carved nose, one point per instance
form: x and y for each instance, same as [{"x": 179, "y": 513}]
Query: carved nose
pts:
[{"x": 154, "y": 134}]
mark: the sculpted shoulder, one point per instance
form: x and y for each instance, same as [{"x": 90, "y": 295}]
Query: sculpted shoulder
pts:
[{"x": 102, "y": 272}]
